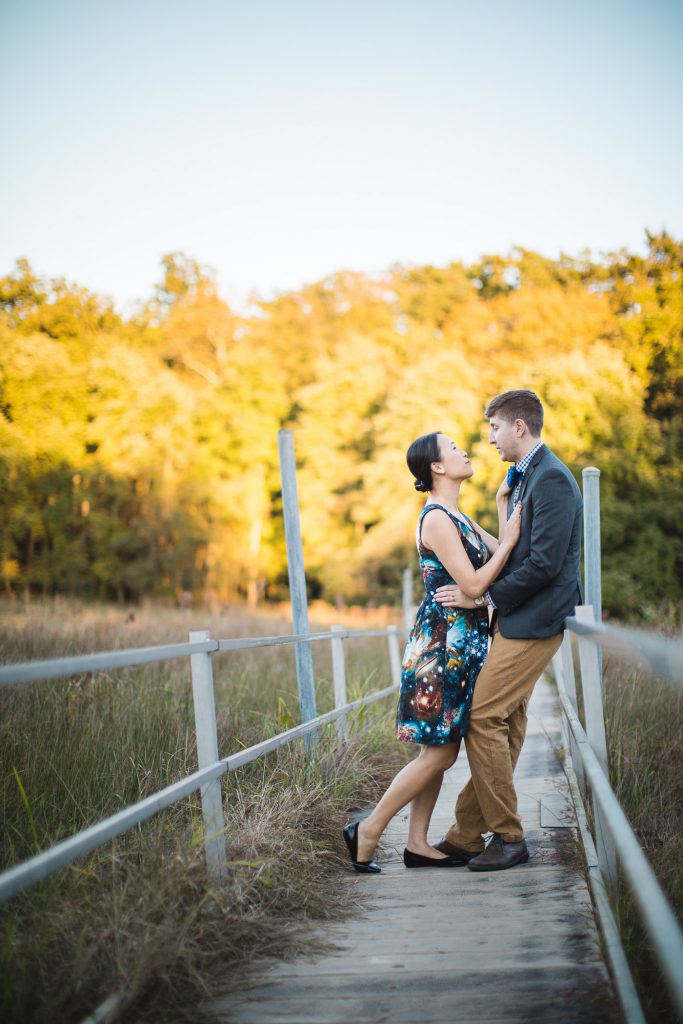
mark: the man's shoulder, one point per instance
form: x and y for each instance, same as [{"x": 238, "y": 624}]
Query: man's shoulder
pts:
[
  {"x": 548, "y": 462},
  {"x": 550, "y": 467}
]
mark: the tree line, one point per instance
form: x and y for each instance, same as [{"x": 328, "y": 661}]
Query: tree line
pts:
[{"x": 138, "y": 453}]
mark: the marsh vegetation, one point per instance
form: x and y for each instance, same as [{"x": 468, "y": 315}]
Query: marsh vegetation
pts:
[
  {"x": 138, "y": 915},
  {"x": 644, "y": 723}
]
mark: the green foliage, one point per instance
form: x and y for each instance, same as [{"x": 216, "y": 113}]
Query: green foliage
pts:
[{"x": 139, "y": 456}]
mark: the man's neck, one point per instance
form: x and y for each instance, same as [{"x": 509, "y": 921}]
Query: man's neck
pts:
[{"x": 530, "y": 445}]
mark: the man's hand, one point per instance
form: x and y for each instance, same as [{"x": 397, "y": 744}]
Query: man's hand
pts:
[{"x": 451, "y": 596}]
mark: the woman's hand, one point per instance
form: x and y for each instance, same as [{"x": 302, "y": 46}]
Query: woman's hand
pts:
[
  {"x": 503, "y": 490},
  {"x": 452, "y": 596},
  {"x": 513, "y": 527}
]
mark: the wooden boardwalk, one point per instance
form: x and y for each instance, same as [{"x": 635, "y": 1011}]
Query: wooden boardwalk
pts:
[{"x": 451, "y": 946}]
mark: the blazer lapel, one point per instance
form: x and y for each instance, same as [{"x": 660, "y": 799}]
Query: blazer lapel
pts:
[
  {"x": 527, "y": 476},
  {"x": 531, "y": 469}
]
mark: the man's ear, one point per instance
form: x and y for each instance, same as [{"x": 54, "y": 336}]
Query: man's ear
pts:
[{"x": 520, "y": 428}]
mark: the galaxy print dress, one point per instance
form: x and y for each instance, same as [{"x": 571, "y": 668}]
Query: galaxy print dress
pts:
[{"x": 445, "y": 651}]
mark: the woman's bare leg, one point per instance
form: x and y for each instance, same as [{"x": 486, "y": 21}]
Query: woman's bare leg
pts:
[
  {"x": 421, "y": 810},
  {"x": 406, "y": 786}
]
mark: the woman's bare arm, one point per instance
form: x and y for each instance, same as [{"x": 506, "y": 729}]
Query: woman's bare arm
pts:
[
  {"x": 488, "y": 538},
  {"x": 502, "y": 505},
  {"x": 502, "y": 509},
  {"x": 443, "y": 538}
]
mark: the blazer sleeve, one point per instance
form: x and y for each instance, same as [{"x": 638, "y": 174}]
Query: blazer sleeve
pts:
[{"x": 554, "y": 510}]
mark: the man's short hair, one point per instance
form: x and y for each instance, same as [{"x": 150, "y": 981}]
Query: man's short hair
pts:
[{"x": 518, "y": 405}]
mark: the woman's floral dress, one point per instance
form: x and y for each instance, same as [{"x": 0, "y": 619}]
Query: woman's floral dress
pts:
[{"x": 445, "y": 651}]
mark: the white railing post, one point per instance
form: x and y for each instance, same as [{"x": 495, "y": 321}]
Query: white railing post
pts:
[
  {"x": 407, "y": 598},
  {"x": 563, "y": 662},
  {"x": 297, "y": 577},
  {"x": 207, "y": 754},
  {"x": 591, "y": 546},
  {"x": 559, "y": 679},
  {"x": 595, "y": 730},
  {"x": 339, "y": 679},
  {"x": 394, "y": 655}
]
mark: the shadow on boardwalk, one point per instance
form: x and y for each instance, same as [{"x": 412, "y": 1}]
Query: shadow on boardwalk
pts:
[{"x": 455, "y": 946}]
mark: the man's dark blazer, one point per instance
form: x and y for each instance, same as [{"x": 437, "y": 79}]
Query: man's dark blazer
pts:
[{"x": 540, "y": 583}]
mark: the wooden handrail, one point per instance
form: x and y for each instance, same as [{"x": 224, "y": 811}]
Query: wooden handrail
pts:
[{"x": 24, "y": 875}]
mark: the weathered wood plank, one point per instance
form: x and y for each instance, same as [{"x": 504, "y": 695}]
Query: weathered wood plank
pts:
[
  {"x": 456, "y": 997},
  {"x": 451, "y": 945}
]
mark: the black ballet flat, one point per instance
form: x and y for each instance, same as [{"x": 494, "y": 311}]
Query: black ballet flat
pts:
[
  {"x": 365, "y": 867},
  {"x": 416, "y": 860}
]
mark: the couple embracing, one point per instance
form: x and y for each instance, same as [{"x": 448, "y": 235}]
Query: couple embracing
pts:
[{"x": 455, "y": 687}]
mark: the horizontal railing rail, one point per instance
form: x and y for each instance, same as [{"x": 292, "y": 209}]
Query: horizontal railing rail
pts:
[
  {"x": 658, "y": 917},
  {"x": 81, "y": 664},
  {"x": 660, "y": 655},
  {"x": 615, "y": 840},
  {"x": 24, "y": 875},
  {"x": 211, "y": 766}
]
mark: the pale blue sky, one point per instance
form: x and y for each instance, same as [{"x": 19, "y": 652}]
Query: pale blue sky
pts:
[{"x": 281, "y": 141}]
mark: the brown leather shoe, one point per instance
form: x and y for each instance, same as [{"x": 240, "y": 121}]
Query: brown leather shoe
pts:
[
  {"x": 456, "y": 852},
  {"x": 499, "y": 855}
]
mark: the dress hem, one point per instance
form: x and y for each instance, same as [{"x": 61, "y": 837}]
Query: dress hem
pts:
[{"x": 432, "y": 743}]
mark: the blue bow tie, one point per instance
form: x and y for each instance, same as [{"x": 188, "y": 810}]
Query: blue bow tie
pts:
[{"x": 514, "y": 476}]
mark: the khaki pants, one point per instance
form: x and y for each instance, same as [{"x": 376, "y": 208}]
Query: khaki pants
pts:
[{"x": 488, "y": 803}]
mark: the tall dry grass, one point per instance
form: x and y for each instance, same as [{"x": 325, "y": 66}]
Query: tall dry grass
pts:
[
  {"x": 138, "y": 916},
  {"x": 644, "y": 725}
]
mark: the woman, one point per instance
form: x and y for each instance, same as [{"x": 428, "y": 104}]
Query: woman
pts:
[{"x": 445, "y": 650}]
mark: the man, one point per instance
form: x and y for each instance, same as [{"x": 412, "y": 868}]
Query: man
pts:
[{"x": 538, "y": 587}]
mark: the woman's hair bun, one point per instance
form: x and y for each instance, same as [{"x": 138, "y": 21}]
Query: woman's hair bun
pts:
[{"x": 420, "y": 456}]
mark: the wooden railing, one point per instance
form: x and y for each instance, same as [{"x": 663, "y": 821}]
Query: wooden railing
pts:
[
  {"x": 613, "y": 847},
  {"x": 200, "y": 649}
]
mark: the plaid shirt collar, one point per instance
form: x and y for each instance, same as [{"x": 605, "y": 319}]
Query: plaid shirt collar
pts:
[
  {"x": 522, "y": 467},
  {"x": 523, "y": 463}
]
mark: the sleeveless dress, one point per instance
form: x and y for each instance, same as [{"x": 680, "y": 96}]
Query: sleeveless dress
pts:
[{"x": 446, "y": 649}]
